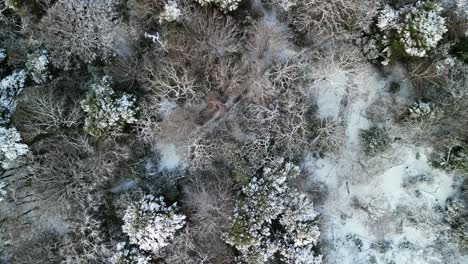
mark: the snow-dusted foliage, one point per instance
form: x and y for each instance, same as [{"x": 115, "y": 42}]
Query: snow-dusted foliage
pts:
[
  {"x": 419, "y": 109},
  {"x": 10, "y": 146},
  {"x": 3, "y": 192},
  {"x": 456, "y": 216},
  {"x": 374, "y": 140},
  {"x": 10, "y": 87},
  {"x": 3, "y": 54},
  {"x": 171, "y": 12},
  {"x": 106, "y": 110},
  {"x": 462, "y": 8},
  {"x": 455, "y": 74},
  {"x": 268, "y": 199},
  {"x": 286, "y": 4},
  {"x": 38, "y": 66},
  {"x": 413, "y": 30},
  {"x": 126, "y": 254},
  {"x": 151, "y": 224},
  {"x": 224, "y": 5}
]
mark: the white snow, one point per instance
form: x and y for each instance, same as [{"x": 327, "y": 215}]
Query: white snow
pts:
[
  {"x": 170, "y": 160},
  {"x": 373, "y": 201},
  {"x": 330, "y": 92}
]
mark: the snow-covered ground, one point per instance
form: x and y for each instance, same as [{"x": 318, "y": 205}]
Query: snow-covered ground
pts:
[{"x": 383, "y": 209}]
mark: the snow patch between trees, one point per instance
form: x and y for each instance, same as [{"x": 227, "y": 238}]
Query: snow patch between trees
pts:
[
  {"x": 169, "y": 159},
  {"x": 385, "y": 209}
]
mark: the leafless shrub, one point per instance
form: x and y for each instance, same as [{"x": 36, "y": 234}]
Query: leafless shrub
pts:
[
  {"x": 79, "y": 30},
  {"x": 333, "y": 17},
  {"x": 455, "y": 80},
  {"x": 43, "y": 110}
]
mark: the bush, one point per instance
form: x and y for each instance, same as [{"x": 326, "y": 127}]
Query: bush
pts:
[
  {"x": 106, "y": 111},
  {"x": 455, "y": 157},
  {"x": 374, "y": 140},
  {"x": 170, "y": 13}
]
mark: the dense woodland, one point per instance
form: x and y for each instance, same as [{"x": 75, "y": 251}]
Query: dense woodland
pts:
[{"x": 234, "y": 131}]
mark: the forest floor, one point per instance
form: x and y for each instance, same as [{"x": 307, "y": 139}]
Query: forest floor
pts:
[{"x": 388, "y": 208}]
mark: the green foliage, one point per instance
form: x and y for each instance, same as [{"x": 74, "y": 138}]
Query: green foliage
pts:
[
  {"x": 246, "y": 160},
  {"x": 374, "y": 140},
  {"x": 397, "y": 51},
  {"x": 460, "y": 49},
  {"x": 406, "y": 33},
  {"x": 394, "y": 87}
]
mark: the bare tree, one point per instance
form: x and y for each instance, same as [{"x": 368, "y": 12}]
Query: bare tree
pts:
[
  {"x": 43, "y": 110},
  {"x": 211, "y": 201},
  {"x": 173, "y": 82},
  {"x": 66, "y": 169},
  {"x": 79, "y": 30},
  {"x": 332, "y": 18}
]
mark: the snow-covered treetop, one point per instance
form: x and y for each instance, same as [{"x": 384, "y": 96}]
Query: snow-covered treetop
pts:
[
  {"x": 269, "y": 199},
  {"x": 38, "y": 66},
  {"x": 3, "y": 192},
  {"x": 151, "y": 224},
  {"x": 3, "y": 54},
  {"x": 107, "y": 111},
  {"x": 224, "y": 5},
  {"x": 462, "y": 8},
  {"x": 171, "y": 12},
  {"x": 418, "y": 28},
  {"x": 10, "y": 87},
  {"x": 126, "y": 254},
  {"x": 10, "y": 146}
]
